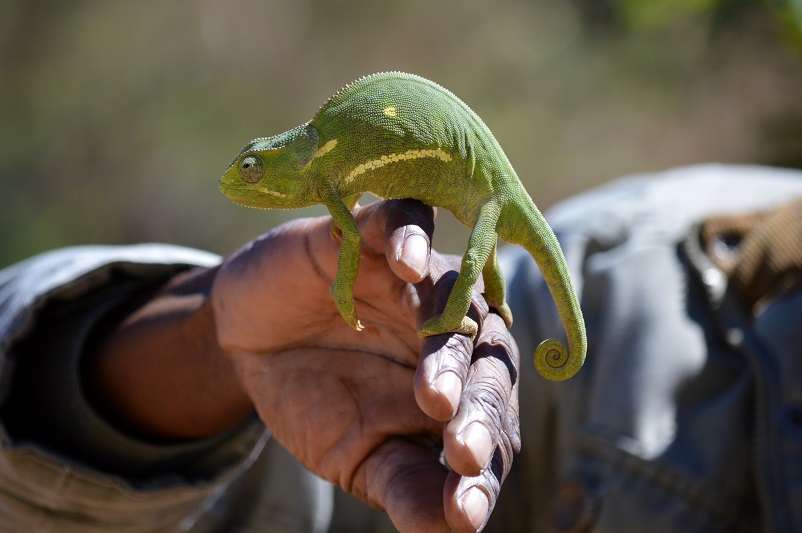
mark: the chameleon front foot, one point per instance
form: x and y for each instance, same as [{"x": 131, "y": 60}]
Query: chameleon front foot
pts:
[
  {"x": 353, "y": 321},
  {"x": 437, "y": 325},
  {"x": 345, "y": 304}
]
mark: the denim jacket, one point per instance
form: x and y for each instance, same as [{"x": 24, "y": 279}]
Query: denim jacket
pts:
[{"x": 687, "y": 415}]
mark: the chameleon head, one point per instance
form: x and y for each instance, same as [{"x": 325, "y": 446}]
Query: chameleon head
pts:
[{"x": 270, "y": 173}]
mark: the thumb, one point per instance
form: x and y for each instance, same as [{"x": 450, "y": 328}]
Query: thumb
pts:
[{"x": 407, "y": 480}]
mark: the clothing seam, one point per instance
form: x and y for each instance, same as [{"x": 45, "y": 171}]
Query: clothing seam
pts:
[{"x": 670, "y": 478}]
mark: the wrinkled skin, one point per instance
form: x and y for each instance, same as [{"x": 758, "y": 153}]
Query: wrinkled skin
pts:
[{"x": 371, "y": 411}]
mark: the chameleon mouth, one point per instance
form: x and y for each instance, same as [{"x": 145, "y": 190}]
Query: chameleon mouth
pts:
[
  {"x": 240, "y": 195},
  {"x": 249, "y": 196},
  {"x": 248, "y": 205}
]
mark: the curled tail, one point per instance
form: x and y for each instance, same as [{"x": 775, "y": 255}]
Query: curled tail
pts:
[{"x": 553, "y": 360}]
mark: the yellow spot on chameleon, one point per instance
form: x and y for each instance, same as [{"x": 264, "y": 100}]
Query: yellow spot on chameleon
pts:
[{"x": 389, "y": 111}]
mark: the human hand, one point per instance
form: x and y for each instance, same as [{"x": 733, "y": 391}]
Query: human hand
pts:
[{"x": 371, "y": 411}]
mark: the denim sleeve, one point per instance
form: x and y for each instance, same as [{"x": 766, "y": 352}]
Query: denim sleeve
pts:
[{"x": 60, "y": 462}]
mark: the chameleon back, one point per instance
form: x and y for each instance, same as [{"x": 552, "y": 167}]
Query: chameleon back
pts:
[
  {"x": 396, "y": 106},
  {"x": 406, "y": 118}
]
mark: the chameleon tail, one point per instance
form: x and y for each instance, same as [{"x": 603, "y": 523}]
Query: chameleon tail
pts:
[{"x": 552, "y": 359}]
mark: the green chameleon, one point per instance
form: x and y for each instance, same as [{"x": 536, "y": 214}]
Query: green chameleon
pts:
[{"x": 398, "y": 135}]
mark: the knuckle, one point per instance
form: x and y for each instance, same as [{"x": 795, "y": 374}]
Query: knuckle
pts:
[{"x": 490, "y": 400}]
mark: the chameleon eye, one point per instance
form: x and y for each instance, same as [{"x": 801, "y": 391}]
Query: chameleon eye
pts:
[{"x": 251, "y": 169}]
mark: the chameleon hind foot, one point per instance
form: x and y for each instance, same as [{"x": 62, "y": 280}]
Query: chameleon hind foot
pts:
[
  {"x": 504, "y": 311},
  {"x": 437, "y": 325}
]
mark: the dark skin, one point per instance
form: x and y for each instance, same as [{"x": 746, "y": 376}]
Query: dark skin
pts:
[{"x": 368, "y": 411}]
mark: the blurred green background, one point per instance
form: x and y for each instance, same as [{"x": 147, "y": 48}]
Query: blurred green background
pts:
[{"x": 117, "y": 118}]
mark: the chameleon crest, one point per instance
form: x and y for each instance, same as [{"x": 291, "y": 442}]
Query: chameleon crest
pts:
[{"x": 398, "y": 135}]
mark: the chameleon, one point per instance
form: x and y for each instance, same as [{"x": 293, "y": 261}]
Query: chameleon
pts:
[{"x": 398, "y": 135}]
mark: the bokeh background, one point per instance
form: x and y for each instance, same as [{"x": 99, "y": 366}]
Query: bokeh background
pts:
[{"x": 117, "y": 118}]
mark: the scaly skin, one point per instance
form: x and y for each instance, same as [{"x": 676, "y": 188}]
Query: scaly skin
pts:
[{"x": 398, "y": 135}]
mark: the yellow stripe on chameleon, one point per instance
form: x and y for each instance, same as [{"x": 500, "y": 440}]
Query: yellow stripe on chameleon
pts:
[
  {"x": 389, "y": 111},
  {"x": 326, "y": 148},
  {"x": 323, "y": 150},
  {"x": 272, "y": 193},
  {"x": 395, "y": 158}
]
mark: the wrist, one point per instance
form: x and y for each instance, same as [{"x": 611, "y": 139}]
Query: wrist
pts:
[{"x": 156, "y": 369}]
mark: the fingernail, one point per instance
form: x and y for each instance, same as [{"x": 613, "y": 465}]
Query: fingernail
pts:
[
  {"x": 475, "y": 505},
  {"x": 477, "y": 439},
  {"x": 449, "y": 385},
  {"x": 415, "y": 253}
]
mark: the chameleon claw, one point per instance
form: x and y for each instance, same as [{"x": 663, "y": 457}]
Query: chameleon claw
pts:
[
  {"x": 352, "y": 320},
  {"x": 344, "y": 300}
]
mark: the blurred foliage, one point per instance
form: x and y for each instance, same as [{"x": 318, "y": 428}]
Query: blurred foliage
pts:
[{"x": 116, "y": 118}]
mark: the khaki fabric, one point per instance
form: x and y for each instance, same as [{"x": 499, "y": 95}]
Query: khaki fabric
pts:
[{"x": 761, "y": 253}]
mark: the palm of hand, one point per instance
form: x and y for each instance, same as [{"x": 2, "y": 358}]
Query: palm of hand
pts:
[{"x": 343, "y": 402}]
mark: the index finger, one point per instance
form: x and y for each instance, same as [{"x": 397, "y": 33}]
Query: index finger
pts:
[{"x": 402, "y": 230}]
